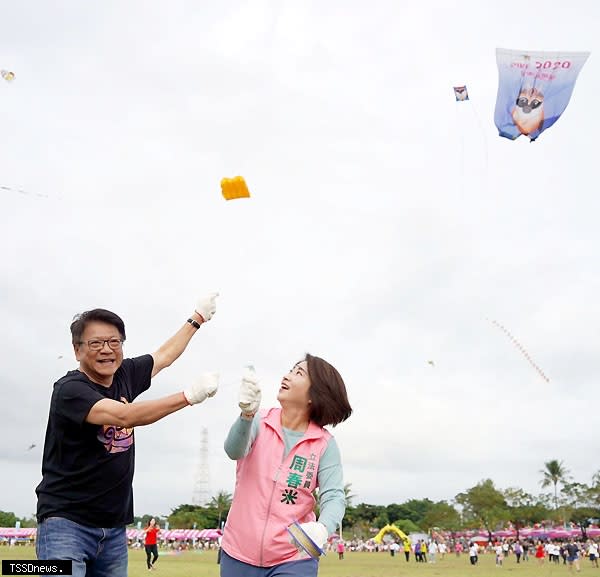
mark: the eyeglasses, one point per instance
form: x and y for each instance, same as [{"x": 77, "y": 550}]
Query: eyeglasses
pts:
[{"x": 98, "y": 344}]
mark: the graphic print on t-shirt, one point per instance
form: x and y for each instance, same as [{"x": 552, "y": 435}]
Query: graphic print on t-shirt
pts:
[{"x": 116, "y": 439}]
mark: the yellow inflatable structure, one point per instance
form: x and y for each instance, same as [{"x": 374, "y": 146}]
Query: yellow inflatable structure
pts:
[{"x": 390, "y": 529}]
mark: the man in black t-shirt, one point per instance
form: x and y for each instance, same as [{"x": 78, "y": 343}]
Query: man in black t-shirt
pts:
[
  {"x": 572, "y": 555},
  {"x": 85, "y": 498}
]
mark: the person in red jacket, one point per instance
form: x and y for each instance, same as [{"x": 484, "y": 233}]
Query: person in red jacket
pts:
[
  {"x": 540, "y": 553},
  {"x": 340, "y": 549},
  {"x": 150, "y": 542}
]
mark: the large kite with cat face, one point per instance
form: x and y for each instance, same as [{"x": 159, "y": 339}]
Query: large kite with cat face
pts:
[{"x": 534, "y": 89}]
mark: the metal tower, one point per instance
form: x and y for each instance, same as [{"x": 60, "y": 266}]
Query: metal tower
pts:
[{"x": 201, "y": 495}]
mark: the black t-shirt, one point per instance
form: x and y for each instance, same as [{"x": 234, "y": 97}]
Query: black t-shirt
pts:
[
  {"x": 572, "y": 550},
  {"x": 87, "y": 470}
]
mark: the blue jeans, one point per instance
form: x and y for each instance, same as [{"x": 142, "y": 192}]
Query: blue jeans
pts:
[
  {"x": 95, "y": 552},
  {"x": 231, "y": 567}
]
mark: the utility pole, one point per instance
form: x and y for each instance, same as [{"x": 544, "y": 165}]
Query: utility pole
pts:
[{"x": 201, "y": 495}]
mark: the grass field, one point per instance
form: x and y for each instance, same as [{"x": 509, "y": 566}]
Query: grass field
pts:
[{"x": 194, "y": 564}]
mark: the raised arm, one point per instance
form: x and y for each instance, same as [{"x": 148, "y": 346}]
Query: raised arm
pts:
[
  {"x": 244, "y": 430},
  {"x": 172, "y": 349}
]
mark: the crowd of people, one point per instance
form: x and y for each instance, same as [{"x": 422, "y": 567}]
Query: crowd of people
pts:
[{"x": 570, "y": 552}]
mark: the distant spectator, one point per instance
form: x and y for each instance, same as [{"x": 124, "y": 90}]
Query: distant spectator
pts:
[
  {"x": 442, "y": 548},
  {"x": 433, "y": 550},
  {"x": 473, "y": 553},
  {"x": 562, "y": 551},
  {"x": 518, "y": 550},
  {"x": 406, "y": 546},
  {"x": 526, "y": 551},
  {"x": 573, "y": 556},
  {"x": 593, "y": 553},
  {"x": 150, "y": 542},
  {"x": 423, "y": 551},
  {"x": 540, "y": 553},
  {"x": 418, "y": 556},
  {"x": 499, "y": 549}
]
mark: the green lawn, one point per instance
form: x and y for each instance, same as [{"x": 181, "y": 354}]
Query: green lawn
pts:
[{"x": 194, "y": 564}]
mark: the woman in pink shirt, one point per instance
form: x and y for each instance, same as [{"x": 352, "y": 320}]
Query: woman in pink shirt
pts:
[{"x": 283, "y": 455}]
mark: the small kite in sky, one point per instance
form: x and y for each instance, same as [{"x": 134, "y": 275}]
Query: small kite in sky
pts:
[
  {"x": 460, "y": 93},
  {"x": 523, "y": 350},
  {"x": 534, "y": 88},
  {"x": 31, "y": 446},
  {"x": 233, "y": 188},
  {"x": 7, "y": 75},
  {"x": 431, "y": 363}
]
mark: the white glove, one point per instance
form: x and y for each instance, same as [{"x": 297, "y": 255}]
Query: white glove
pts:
[
  {"x": 317, "y": 532},
  {"x": 206, "y": 306},
  {"x": 204, "y": 386},
  {"x": 250, "y": 394}
]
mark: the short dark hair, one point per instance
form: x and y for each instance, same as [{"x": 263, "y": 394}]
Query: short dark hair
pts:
[
  {"x": 327, "y": 393},
  {"x": 100, "y": 315}
]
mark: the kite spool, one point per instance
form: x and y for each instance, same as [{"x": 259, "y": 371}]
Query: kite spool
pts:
[{"x": 304, "y": 541}]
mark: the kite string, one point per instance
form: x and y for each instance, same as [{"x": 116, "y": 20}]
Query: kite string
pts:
[
  {"x": 485, "y": 144},
  {"x": 462, "y": 152},
  {"x": 468, "y": 103}
]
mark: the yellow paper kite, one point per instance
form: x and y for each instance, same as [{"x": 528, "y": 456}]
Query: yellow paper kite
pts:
[{"x": 233, "y": 188}]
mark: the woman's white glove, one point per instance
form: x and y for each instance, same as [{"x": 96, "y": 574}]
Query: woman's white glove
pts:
[
  {"x": 250, "y": 393},
  {"x": 206, "y": 306},
  {"x": 317, "y": 532},
  {"x": 204, "y": 386}
]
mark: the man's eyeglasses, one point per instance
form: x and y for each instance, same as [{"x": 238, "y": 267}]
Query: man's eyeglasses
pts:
[{"x": 98, "y": 345}]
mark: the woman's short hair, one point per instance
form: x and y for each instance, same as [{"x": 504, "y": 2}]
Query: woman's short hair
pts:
[{"x": 327, "y": 393}]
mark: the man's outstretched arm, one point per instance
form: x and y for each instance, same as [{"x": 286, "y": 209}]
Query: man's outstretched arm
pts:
[{"x": 172, "y": 349}]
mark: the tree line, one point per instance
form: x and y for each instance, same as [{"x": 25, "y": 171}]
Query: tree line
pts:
[{"x": 483, "y": 506}]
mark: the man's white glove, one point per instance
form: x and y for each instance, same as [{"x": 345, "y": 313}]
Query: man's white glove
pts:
[
  {"x": 250, "y": 394},
  {"x": 317, "y": 532},
  {"x": 206, "y": 306},
  {"x": 204, "y": 386}
]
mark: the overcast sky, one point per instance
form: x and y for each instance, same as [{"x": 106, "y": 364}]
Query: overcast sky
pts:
[{"x": 388, "y": 226}]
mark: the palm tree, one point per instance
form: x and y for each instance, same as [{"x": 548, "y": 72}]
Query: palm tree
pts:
[
  {"x": 554, "y": 473},
  {"x": 348, "y": 496},
  {"x": 222, "y": 503}
]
